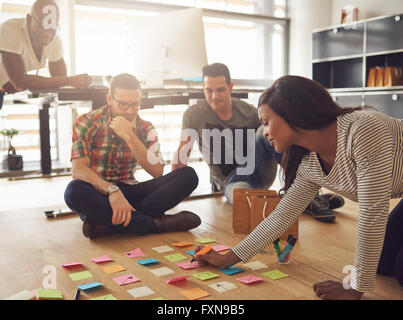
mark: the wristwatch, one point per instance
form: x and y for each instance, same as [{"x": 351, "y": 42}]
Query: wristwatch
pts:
[{"x": 112, "y": 189}]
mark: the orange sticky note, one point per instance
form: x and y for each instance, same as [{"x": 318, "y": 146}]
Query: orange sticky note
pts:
[
  {"x": 113, "y": 268},
  {"x": 194, "y": 294},
  {"x": 182, "y": 244}
]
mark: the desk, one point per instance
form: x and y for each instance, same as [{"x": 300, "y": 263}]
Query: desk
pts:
[{"x": 97, "y": 95}]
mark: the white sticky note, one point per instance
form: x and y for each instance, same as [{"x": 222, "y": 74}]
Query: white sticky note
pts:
[
  {"x": 162, "y": 271},
  {"x": 141, "y": 292},
  {"x": 223, "y": 286},
  {"x": 23, "y": 295},
  {"x": 162, "y": 249},
  {"x": 255, "y": 265}
]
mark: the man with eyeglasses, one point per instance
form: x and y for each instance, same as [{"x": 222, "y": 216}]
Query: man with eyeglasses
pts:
[
  {"x": 27, "y": 44},
  {"x": 108, "y": 144}
]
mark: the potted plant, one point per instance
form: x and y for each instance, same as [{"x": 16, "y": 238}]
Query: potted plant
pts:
[{"x": 14, "y": 161}]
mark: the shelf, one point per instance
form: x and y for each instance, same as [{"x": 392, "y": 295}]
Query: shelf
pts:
[
  {"x": 353, "y": 56},
  {"x": 389, "y": 90},
  {"x": 386, "y": 52}
]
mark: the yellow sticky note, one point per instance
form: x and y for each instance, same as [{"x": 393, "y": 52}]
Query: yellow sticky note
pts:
[
  {"x": 194, "y": 294},
  {"x": 113, "y": 268}
]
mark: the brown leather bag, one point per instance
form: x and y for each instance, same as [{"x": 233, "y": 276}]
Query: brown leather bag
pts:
[{"x": 249, "y": 206}]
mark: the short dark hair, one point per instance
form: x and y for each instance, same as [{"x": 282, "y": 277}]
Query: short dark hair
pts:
[
  {"x": 217, "y": 70},
  {"x": 124, "y": 81}
]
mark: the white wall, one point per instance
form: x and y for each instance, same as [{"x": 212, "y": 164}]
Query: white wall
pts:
[
  {"x": 367, "y": 8},
  {"x": 305, "y": 15}
]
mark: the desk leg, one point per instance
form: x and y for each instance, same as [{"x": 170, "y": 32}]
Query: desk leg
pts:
[{"x": 44, "y": 132}]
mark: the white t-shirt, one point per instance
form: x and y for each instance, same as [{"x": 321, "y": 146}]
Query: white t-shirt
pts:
[{"x": 14, "y": 38}]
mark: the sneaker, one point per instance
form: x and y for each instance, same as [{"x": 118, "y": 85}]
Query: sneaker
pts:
[
  {"x": 319, "y": 209},
  {"x": 182, "y": 221},
  {"x": 334, "y": 200},
  {"x": 93, "y": 230}
]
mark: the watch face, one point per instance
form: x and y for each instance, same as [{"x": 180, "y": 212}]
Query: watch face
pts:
[{"x": 113, "y": 188}]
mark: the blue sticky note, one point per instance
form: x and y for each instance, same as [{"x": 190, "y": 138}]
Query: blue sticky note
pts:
[
  {"x": 191, "y": 252},
  {"x": 147, "y": 261},
  {"x": 89, "y": 286},
  {"x": 232, "y": 270}
]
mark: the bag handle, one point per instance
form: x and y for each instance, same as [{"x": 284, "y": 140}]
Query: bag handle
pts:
[{"x": 264, "y": 210}]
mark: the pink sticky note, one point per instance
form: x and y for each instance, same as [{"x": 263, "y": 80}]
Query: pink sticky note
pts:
[
  {"x": 101, "y": 259},
  {"x": 122, "y": 280},
  {"x": 249, "y": 279},
  {"x": 72, "y": 264},
  {"x": 220, "y": 247},
  {"x": 35, "y": 293},
  {"x": 135, "y": 253},
  {"x": 181, "y": 278},
  {"x": 189, "y": 265}
]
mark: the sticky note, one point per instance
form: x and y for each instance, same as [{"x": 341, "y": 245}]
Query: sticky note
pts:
[
  {"x": 255, "y": 265},
  {"x": 189, "y": 265},
  {"x": 220, "y": 247},
  {"x": 162, "y": 271},
  {"x": 163, "y": 249},
  {"x": 191, "y": 252},
  {"x": 147, "y": 261},
  {"x": 275, "y": 274},
  {"x": 158, "y": 298},
  {"x": 232, "y": 270},
  {"x": 205, "y": 240},
  {"x": 194, "y": 294},
  {"x": 182, "y": 244},
  {"x": 101, "y": 259},
  {"x": 135, "y": 253},
  {"x": 23, "y": 295},
  {"x": 80, "y": 275},
  {"x": 223, "y": 286},
  {"x": 113, "y": 268},
  {"x": 106, "y": 297},
  {"x": 72, "y": 264},
  {"x": 127, "y": 279},
  {"x": 175, "y": 257},
  {"x": 89, "y": 286},
  {"x": 249, "y": 279},
  {"x": 177, "y": 279},
  {"x": 206, "y": 275},
  {"x": 49, "y": 294},
  {"x": 141, "y": 292}
]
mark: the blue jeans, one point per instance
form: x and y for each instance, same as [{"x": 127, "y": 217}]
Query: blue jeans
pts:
[
  {"x": 391, "y": 260},
  {"x": 150, "y": 199},
  {"x": 266, "y": 160}
]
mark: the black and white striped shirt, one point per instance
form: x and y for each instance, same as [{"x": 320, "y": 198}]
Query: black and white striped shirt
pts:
[{"x": 368, "y": 169}]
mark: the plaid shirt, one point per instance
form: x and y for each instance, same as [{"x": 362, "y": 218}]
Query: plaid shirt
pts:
[{"x": 111, "y": 157}]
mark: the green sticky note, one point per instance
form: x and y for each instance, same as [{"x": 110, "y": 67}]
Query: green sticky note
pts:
[
  {"x": 80, "y": 275},
  {"x": 49, "y": 294},
  {"x": 275, "y": 274},
  {"x": 176, "y": 257},
  {"x": 205, "y": 240},
  {"x": 158, "y": 298},
  {"x": 107, "y": 297},
  {"x": 205, "y": 275}
]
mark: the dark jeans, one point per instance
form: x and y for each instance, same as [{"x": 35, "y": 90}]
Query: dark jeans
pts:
[
  {"x": 1, "y": 99},
  {"x": 391, "y": 261},
  {"x": 150, "y": 199},
  {"x": 266, "y": 160}
]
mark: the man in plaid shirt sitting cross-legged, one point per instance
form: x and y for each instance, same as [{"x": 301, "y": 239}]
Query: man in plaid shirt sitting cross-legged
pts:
[{"x": 108, "y": 143}]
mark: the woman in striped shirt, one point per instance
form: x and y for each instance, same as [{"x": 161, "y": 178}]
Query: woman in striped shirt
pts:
[{"x": 357, "y": 154}]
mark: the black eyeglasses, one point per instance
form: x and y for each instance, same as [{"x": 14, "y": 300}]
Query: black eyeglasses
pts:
[
  {"x": 125, "y": 105},
  {"x": 40, "y": 27}
]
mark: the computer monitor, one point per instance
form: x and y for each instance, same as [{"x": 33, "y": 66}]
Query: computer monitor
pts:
[{"x": 168, "y": 46}]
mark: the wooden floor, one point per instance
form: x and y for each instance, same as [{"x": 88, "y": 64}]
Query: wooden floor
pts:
[{"x": 30, "y": 243}]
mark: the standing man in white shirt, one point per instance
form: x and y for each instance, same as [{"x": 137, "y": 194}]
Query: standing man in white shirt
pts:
[{"x": 27, "y": 44}]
